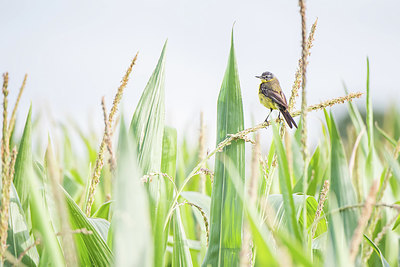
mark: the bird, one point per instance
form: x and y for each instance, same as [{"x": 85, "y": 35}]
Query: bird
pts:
[{"x": 272, "y": 97}]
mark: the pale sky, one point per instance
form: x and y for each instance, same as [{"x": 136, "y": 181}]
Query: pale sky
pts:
[{"x": 77, "y": 51}]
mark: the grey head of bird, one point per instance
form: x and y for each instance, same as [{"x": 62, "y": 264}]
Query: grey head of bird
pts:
[{"x": 266, "y": 76}]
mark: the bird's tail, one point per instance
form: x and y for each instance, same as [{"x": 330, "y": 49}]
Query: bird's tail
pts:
[{"x": 288, "y": 118}]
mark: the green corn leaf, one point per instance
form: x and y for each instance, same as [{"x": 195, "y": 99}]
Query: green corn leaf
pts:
[
  {"x": 181, "y": 254},
  {"x": 189, "y": 223},
  {"x": 226, "y": 209},
  {"x": 71, "y": 185},
  {"x": 89, "y": 246},
  {"x": 201, "y": 200},
  {"x": 29, "y": 187},
  {"x": 18, "y": 238},
  {"x": 261, "y": 235},
  {"x": 317, "y": 171},
  {"x": 341, "y": 185},
  {"x": 130, "y": 225},
  {"x": 23, "y": 165},
  {"x": 373, "y": 165},
  {"x": 337, "y": 245},
  {"x": 264, "y": 255},
  {"x": 395, "y": 169},
  {"x": 327, "y": 120},
  {"x": 386, "y": 135},
  {"x": 147, "y": 125},
  {"x": 168, "y": 161},
  {"x": 104, "y": 211},
  {"x": 166, "y": 190},
  {"x": 358, "y": 123},
  {"x": 298, "y": 165},
  {"x": 102, "y": 226},
  {"x": 276, "y": 201},
  {"x": 286, "y": 185},
  {"x": 147, "y": 128},
  {"x": 370, "y": 118},
  {"x": 377, "y": 251}
]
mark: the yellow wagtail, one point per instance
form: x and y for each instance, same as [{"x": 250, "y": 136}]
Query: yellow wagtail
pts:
[{"x": 272, "y": 97}]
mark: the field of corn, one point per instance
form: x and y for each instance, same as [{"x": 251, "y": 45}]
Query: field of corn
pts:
[{"x": 141, "y": 198}]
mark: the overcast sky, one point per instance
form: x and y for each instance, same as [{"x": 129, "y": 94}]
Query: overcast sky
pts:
[{"x": 77, "y": 51}]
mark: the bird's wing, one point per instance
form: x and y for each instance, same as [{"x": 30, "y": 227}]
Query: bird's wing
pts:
[
  {"x": 283, "y": 97},
  {"x": 277, "y": 97}
]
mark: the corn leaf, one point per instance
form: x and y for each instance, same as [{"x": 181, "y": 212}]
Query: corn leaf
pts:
[
  {"x": 23, "y": 164},
  {"x": 341, "y": 185},
  {"x": 92, "y": 246},
  {"x": 373, "y": 165},
  {"x": 358, "y": 124},
  {"x": 168, "y": 166},
  {"x": 276, "y": 201},
  {"x": 168, "y": 161},
  {"x": 130, "y": 226},
  {"x": 226, "y": 216},
  {"x": 261, "y": 239},
  {"x": 147, "y": 128},
  {"x": 104, "y": 211},
  {"x": 201, "y": 200},
  {"x": 395, "y": 169},
  {"x": 285, "y": 185},
  {"x": 181, "y": 254},
  {"x": 29, "y": 187},
  {"x": 337, "y": 248},
  {"x": 377, "y": 251},
  {"x": 18, "y": 238},
  {"x": 147, "y": 125}
]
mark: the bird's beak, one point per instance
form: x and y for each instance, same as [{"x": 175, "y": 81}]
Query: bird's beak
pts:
[{"x": 259, "y": 77}]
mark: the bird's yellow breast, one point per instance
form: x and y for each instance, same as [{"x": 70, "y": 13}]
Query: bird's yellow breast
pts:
[{"x": 266, "y": 102}]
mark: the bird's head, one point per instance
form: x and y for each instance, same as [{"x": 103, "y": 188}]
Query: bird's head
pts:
[{"x": 266, "y": 76}]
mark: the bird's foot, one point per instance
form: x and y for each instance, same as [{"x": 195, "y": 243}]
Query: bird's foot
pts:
[{"x": 266, "y": 123}]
